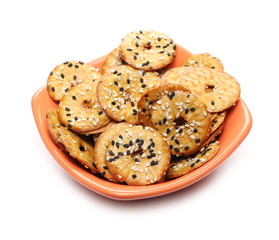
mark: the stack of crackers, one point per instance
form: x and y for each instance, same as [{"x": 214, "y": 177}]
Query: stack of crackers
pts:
[{"x": 137, "y": 121}]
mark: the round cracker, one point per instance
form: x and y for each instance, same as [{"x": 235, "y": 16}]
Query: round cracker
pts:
[
  {"x": 80, "y": 110},
  {"x": 147, "y": 50},
  {"x": 101, "y": 146},
  {"x": 54, "y": 124},
  {"x": 79, "y": 149},
  {"x": 181, "y": 166},
  {"x": 178, "y": 115},
  {"x": 218, "y": 90},
  {"x": 113, "y": 60},
  {"x": 138, "y": 155},
  {"x": 120, "y": 90},
  {"x": 68, "y": 74},
  {"x": 203, "y": 60}
]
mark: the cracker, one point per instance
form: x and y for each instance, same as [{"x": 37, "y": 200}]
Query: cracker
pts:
[
  {"x": 218, "y": 90},
  {"x": 138, "y": 155},
  {"x": 54, "y": 124},
  {"x": 79, "y": 149},
  {"x": 217, "y": 120},
  {"x": 120, "y": 89},
  {"x": 178, "y": 115},
  {"x": 100, "y": 130},
  {"x": 80, "y": 110},
  {"x": 147, "y": 50},
  {"x": 204, "y": 60},
  {"x": 113, "y": 60},
  {"x": 67, "y": 75},
  {"x": 175, "y": 75},
  {"x": 181, "y": 166},
  {"x": 101, "y": 146}
]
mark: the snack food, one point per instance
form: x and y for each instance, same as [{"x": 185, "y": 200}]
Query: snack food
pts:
[
  {"x": 80, "y": 110},
  {"x": 68, "y": 74},
  {"x": 203, "y": 60},
  {"x": 180, "y": 166},
  {"x": 120, "y": 89},
  {"x": 147, "y": 50},
  {"x": 102, "y": 145},
  {"x": 218, "y": 90},
  {"x": 54, "y": 124},
  {"x": 79, "y": 149},
  {"x": 113, "y": 60},
  {"x": 138, "y": 155},
  {"x": 178, "y": 115}
]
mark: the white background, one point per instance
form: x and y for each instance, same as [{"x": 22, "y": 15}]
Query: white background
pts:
[{"x": 39, "y": 200}]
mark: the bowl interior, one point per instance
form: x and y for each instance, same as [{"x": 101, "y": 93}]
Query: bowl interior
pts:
[{"x": 238, "y": 123}]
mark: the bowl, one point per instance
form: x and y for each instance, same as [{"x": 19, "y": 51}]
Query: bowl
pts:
[{"x": 237, "y": 125}]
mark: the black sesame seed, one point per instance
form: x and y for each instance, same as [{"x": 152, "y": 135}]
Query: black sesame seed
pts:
[
  {"x": 66, "y": 62},
  {"x": 120, "y": 136},
  {"x": 76, "y": 118},
  {"x": 112, "y": 142},
  {"x": 62, "y": 75},
  {"x": 187, "y": 148},
  {"x": 212, "y": 102},
  {"x": 115, "y": 72},
  {"x": 131, "y": 143},
  {"x": 176, "y": 150},
  {"x": 70, "y": 65},
  {"x": 82, "y": 148},
  {"x": 121, "y": 89},
  {"x": 67, "y": 109},
  {"x": 186, "y": 110},
  {"x": 212, "y": 67},
  {"x": 100, "y": 113},
  {"x": 137, "y": 44},
  {"x": 117, "y": 144},
  {"x": 192, "y": 165},
  {"x": 121, "y": 154},
  {"x": 192, "y": 109},
  {"x": 125, "y": 145},
  {"x": 116, "y": 83},
  {"x": 197, "y": 140},
  {"x": 168, "y": 130},
  {"x": 76, "y": 66},
  {"x": 137, "y": 160},
  {"x": 132, "y": 104},
  {"x": 145, "y": 64},
  {"x": 143, "y": 85},
  {"x": 134, "y": 176},
  {"x": 68, "y": 114},
  {"x": 53, "y": 89},
  {"x": 171, "y": 146},
  {"x": 128, "y": 152},
  {"x": 105, "y": 167},
  {"x": 129, "y": 49},
  {"x": 176, "y": 141},
  {"x": 153, "y": 163},
  {"x": 111, "y": 153},
  {"x": 113, "y": 103},
  {"x": 74, "y": 97}
]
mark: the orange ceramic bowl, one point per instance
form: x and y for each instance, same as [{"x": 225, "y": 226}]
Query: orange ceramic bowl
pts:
[{"x": 237, "y": 126}]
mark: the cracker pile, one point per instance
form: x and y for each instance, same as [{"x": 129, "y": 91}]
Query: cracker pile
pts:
[{"x": 135, "y": 121}]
